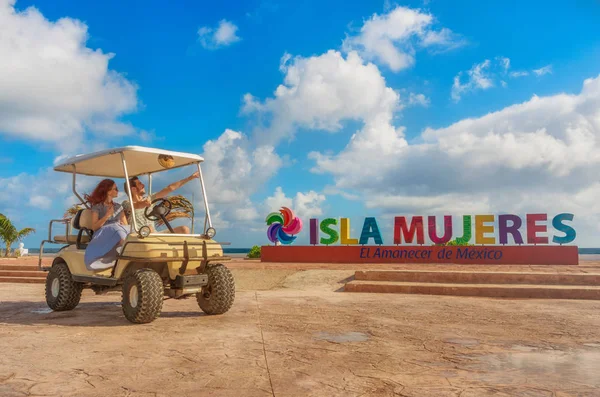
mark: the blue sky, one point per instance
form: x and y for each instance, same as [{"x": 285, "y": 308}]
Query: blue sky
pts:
[{"x": 199, "y": 72}]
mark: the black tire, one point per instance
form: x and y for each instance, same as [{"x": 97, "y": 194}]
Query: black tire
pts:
[
  {"x": 144, "y": 307},
  {"x": 62, "y": 293},
  {"x": 217, "y": 297}
]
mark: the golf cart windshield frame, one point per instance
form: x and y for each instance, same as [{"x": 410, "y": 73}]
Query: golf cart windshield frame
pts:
[{"x": 207, "y": 219}]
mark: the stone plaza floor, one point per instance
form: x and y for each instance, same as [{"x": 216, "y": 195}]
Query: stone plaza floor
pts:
[{"x": 295, "y": 333}]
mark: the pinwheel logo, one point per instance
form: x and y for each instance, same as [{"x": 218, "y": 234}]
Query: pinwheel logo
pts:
[{"x": 282, "y": 226}]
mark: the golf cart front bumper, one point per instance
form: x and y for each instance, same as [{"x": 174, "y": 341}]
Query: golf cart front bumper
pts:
[
  {"x": 195, "y": 280},
  {"x": 187, "y": 285}
]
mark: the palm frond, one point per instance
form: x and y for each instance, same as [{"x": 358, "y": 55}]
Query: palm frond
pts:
[
  {"x": 72, "y": 211},
  {"x": 181, "y": 208},
  {"x": 25, "y": 232},
  {"x": 181, "y": 203},
  {"x": 172, "y": 216},
  {"x": 4, "y": 222},
  {"x": 7, "y": 229}
]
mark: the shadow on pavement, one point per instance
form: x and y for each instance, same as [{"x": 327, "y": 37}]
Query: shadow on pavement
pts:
[
  {"x": 86, "y": 314},
  {"x": 344, "y": 282},
  {"x": 199, "y": 313}
]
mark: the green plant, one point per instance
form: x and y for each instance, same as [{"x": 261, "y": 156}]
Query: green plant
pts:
[
  {"x": 9, "y": 233},
  {"x": 254, "y": 252},
  {"x": 453, "y": 243}
]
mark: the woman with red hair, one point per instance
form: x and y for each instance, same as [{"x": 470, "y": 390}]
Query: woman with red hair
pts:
[
  {"x": 104, "y": 209},
  {"x": 109, "y": 224}
]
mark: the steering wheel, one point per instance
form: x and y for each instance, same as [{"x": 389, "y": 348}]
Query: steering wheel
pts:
[{"x": 159, "y": 211}]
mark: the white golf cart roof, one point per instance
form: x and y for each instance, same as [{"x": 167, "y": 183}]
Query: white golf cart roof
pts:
[{"x": 109, "y": 163}]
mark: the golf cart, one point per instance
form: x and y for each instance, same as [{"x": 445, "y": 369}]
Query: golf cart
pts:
[{"x": 150, "y": 265}]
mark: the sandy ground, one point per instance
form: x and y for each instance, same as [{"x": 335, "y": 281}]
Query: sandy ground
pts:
[{"x": 292, "y": 333}]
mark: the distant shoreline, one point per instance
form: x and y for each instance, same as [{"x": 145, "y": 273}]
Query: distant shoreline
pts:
[
  {"x": 585, "y": 254},
  {"x": 36, "y": 251},
  {"x": 582, "y": 251}
]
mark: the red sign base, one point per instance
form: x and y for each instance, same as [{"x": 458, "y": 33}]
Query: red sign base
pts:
[{"x": 477, "y": 254}]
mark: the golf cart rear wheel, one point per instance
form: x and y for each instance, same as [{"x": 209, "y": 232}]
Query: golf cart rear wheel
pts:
[
  {"x": 142, "y": 296},
  {"x": 62, "y": 293},
  {"x": 217, "y": 297}
]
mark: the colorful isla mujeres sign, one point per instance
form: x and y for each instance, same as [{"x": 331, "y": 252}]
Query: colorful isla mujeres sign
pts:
[
  {"x": 326, "y": 233},
  {"x": 528, "y": 242}
]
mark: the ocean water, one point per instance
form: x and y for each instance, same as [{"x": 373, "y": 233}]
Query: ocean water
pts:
[
  {"x": 589, "y": 254},
  {"x": 589, "y": 251}
]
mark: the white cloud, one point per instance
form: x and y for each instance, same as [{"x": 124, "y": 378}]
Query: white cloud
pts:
[
  {"x": 540, "y": 155},
  {"x": 483, "y": 76},
  {"x": 521, "y": 73},
  {"x": 487, "y": 74},
  {"x": 252, "y": 104},
  {"x": 504, "y": 62},
  {"x": 42, "y": 202},
  {"x": 542, "y": 71},
  {"x": 443, "y": 40},
  {"x": 418, "y": 99},
  {"x": 393, "y": 38},
  {"x": 52, "y": 87},
  {"x": 20, "y": 188},
  {"x": 538, "y": 72},
  {"x": 225, "y": 34},
  {"x": 237, "y": 168},
  {"x": 332, "y": 190},
  {"x": 305, "y": 205},
  {"x": 452, "y": 203},
  {"x": 478, "y": 78},
  {"x": 320, "y": 92},
  {"x": 149, "y": 136}
]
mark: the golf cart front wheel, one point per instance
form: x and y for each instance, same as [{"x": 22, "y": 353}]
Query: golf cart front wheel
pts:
[
  {"x": 142, "y": 296},
  {"x": 62, "y": 293},
  {"x": 217, "y": 297}
]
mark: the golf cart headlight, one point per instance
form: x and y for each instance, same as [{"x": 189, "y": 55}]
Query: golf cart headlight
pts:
[
  {"x": 144, "y": 231},
  {"x": 210, "y": 232}
]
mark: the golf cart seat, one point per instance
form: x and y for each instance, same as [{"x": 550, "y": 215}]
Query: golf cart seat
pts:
[
  {"x": 82, "y": 221},
  {"x": 71, "y": 239}
]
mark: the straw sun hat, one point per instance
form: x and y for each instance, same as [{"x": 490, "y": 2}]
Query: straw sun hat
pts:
[{"x": 166, "y": 161}]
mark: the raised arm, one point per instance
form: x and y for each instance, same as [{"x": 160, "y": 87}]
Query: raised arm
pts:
[{"x": 176, "y": 185}]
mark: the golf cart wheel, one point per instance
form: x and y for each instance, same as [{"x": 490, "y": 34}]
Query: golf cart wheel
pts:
[
  {"x": 62, "y": 293},
  {"x": 142, "y": 296},
  {"x": 217, "y": 297}
]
